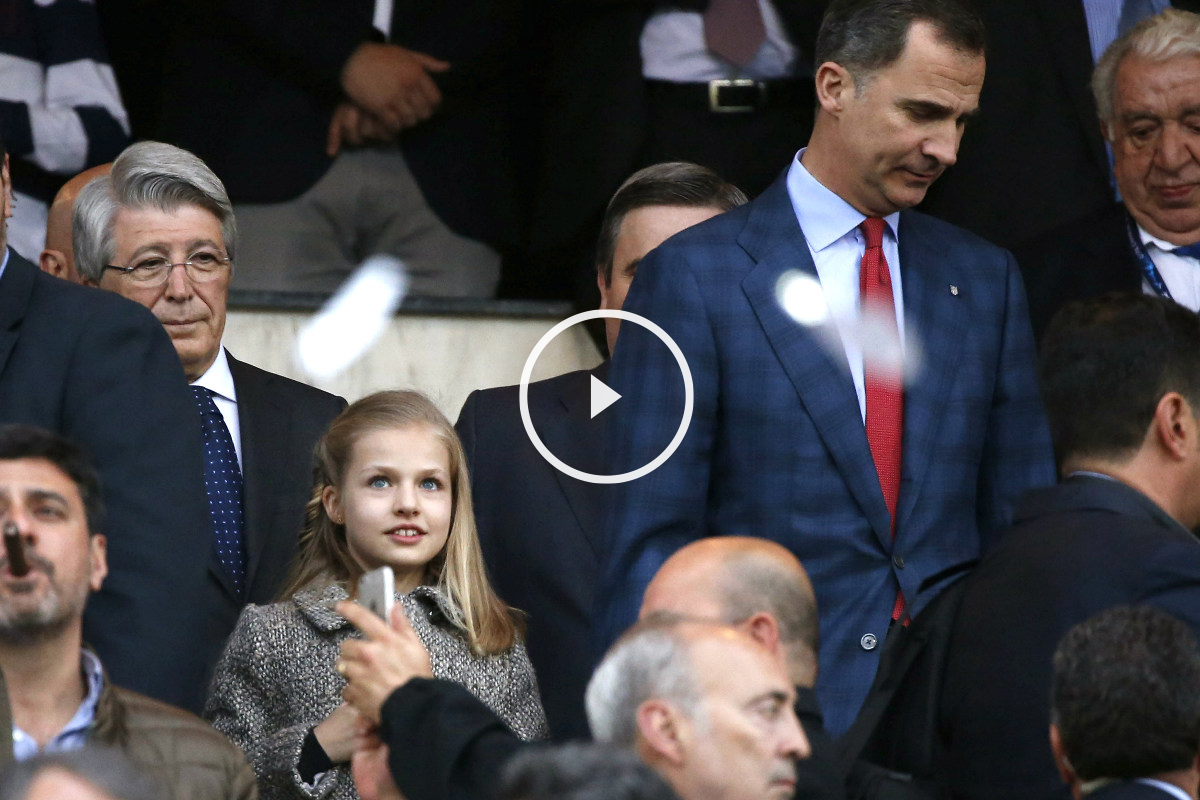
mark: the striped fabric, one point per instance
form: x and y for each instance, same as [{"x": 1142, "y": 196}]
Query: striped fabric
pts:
[{"x": 60, "y": 110}]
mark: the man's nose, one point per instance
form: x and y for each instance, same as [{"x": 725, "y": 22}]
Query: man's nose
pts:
[
  {"x": 1172, "y": 151},
  {"x": 943, "y": 144},
  {"x": 795, "y": 743},
  {"x": 179, "y": 285}
]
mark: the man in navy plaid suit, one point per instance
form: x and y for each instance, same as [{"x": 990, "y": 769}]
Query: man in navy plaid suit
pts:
[{"x": 881, "y": 481}]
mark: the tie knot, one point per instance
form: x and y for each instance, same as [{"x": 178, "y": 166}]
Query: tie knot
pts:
[
  {"x": 204, "y": 401},
  {"x": 872, "y": 228}
]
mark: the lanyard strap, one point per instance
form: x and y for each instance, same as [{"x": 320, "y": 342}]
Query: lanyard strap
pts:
[{"x": 1151, "y": 273}]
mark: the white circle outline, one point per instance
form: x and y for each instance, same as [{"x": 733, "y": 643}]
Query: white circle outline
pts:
[{"x": 688, "y": 397}]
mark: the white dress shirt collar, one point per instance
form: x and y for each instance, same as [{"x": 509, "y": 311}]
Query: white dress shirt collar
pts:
[
  {"x": 218, "y": 379},
  {"x": 824, "y": 216}
]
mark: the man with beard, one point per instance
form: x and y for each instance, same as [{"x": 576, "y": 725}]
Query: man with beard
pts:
[{"x": 56, "y": 689}]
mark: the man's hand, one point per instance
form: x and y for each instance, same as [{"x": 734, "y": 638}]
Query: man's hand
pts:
[
  {"x": 393, "y": 84},
  {"x": 385, "y": 661},
  {"x": 353, "y": 127},
  {"x": 369, "y": 768},
  {"x": 336, "y": 733}
]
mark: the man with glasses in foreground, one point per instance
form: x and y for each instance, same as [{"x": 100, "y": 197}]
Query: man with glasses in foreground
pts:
[{"x": 159, "y": 230}]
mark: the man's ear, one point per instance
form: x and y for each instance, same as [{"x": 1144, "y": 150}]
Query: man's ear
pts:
[
  {"x": 1175, "y": 426},
  {"x": 764, "y": 629},
  {"x": 98, "y": 553},
  {"x": 1065, "y": 770},
  {"x": 6, "y": 200},
  {"x": 661, "y": 729},
  {"x": 53, "y": 262},
  {"x": 834, "y": 87}
]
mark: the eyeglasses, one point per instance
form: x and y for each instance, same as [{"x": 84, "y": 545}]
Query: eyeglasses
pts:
[{"x": 201, "y": 267}]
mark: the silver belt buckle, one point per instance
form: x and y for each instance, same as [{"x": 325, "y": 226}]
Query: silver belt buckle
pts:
[{"x": 714, "y": 95}]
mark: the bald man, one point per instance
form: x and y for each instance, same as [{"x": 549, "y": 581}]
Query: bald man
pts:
[
  {"x": 58, "y": 259},
  {"x": 753, "y": 584},
  {"x": 759, "y": 587}
]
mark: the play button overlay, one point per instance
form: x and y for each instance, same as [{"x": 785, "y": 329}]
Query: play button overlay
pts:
[{"x": 602, "y": 397}]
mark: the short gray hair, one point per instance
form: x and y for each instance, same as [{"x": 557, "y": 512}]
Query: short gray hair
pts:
[
  {"x": 145, "y": 175},
  {"x": 650, "y": 660},
  {"x": 1163, "y": 37}
]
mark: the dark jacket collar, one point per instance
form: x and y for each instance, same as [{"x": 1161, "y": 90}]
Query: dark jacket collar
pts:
[{"x": 1085, "y": 492}]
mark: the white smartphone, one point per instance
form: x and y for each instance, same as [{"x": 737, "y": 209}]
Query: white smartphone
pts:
[{"x": 377, "y": 591}]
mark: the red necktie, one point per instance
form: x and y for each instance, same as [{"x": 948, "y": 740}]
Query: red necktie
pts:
[
  {"x": 734, "y": 30},
  {"x": 884, "y": 383}
]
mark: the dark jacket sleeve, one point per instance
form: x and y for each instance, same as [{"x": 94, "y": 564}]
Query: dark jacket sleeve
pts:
[
  {"x": 128, "y": 404},
  {"x": 445, "y": 744}
]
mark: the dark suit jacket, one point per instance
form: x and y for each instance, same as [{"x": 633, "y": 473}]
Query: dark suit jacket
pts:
[
  {"x": 1084, "y": 259},
  {"x": 1035, "y": 158},
  {"x": 447, "y": 745},
  {"x": 280, "y": 421},
  {"x": 250, "y": 87},
  {"x": 1073, "y": 551},
  {"x": 99, "y": 370},
  {"x": 539, "y": 527},
  {"x": 777, "y": 447},
  {"x": 1129, "y": 790}
]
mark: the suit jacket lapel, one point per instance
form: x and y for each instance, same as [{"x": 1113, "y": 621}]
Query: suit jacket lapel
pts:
[
  {"x": 15, "y": 288},
  {"x": 583, "y": 439},
  {"x": 932, "y": 311},
  {"x": 1072, "y": 50},
  {"x": 812, "y": 358},
  {"x": 262, "y": 423}
]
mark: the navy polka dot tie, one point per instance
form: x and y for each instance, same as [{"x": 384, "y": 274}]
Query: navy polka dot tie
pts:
[{"x": 223, "y": 481}]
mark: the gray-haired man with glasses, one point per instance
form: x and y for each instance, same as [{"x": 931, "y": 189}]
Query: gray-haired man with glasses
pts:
[{"x": 159, "y": 230}]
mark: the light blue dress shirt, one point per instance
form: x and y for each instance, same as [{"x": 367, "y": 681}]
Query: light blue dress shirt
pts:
[
  {"x": 831, "y": 228},
  {"x": 74, "y": 734}
]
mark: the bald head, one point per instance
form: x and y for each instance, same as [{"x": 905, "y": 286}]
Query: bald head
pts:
[
  {"x": 736, "y": 580},
  {"x": 58, "y": 258}
]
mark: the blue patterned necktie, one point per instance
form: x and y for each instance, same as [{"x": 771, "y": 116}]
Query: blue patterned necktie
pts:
[{"x": 223, "y": 481}]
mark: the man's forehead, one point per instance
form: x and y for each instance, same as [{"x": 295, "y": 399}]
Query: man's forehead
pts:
[
  {"x": 1140, "y": 80},
  {"x": 23, "y": 475},
  {"x": 185, "y": 222}
]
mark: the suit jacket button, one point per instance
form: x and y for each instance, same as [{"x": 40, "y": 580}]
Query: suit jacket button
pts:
[
  {"x": 898, "y": 561},
  {"x": 868, "y": 641}
]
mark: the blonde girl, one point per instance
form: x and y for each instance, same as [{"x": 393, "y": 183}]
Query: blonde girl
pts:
[{"x": 391, "y": 488}]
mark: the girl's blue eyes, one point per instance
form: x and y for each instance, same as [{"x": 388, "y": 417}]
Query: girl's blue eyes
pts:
[{"x": 428, "y": 484}]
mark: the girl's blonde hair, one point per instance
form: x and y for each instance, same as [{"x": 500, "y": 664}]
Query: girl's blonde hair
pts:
[{"x": 323, "y": 556}]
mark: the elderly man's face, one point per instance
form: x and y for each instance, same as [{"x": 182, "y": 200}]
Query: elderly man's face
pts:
[
  {"x": 193, "y": 313},
  {"x": 903, "y": 129},
  {"x": 745, "y": 739},
  {"x": 65, "y": 562},
  {"x": 1155, "y": 139}
]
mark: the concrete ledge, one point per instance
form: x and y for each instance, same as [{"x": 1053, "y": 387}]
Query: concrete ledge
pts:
[{"x": 443, "y": 347}]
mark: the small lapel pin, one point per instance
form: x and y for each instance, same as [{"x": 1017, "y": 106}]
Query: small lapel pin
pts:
[{"x": 954, "y": 290}]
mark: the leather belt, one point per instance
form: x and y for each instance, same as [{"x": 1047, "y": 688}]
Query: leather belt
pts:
[{"x": 734, "y": 96}]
